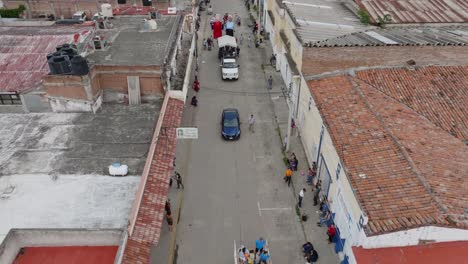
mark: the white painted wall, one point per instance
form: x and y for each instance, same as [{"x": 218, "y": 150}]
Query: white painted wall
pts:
[{"x": 412, "y": 237}]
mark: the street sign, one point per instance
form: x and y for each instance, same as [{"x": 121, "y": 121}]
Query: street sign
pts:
[{"x": 187, "y": 133}]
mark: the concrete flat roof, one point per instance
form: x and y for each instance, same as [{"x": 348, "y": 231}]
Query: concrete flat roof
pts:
[
  {"x": 132, "y": 45},
  {"x": 54, "y": 166}
]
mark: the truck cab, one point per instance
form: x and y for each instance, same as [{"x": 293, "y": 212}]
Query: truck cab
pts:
[{"x": 229, "y": 68}]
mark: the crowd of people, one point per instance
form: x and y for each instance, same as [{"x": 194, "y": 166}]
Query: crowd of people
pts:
[
  {"x": 258, "y": 256},
  {"x": 292, "y": 163}
]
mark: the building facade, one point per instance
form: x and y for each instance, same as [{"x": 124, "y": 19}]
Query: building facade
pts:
[{"x": 360, "y": 150}]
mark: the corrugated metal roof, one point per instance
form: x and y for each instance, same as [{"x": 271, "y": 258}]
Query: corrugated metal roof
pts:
[
  {"x": 423, "y": 36},
  {"x": 23, "y": 59},
  {"x": 322, "y": 19},
  {"x": 418, "y": 11}
]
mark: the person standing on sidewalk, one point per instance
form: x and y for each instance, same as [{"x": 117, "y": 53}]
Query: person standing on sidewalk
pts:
[
  {"x": 331, "y": 233},
  {"x": 287, "y": 176},
  {"x": 251, "y": 123},
  {"x": 318, "y": 188},
  {"x": 300, "y": 197},
  {"x": 178, "y": 179},
  {"x": 270, "y": 83}
]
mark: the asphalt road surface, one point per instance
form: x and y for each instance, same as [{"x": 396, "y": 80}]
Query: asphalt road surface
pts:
[{"x": 234, "y": 192}]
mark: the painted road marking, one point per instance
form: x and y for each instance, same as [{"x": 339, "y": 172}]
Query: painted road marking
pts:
[{"x": 260, "y": 209}]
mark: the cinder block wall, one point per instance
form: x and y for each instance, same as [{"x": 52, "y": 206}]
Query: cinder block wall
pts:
[
  {"x": 321, "y": 60},
  {"x": 113, "y": 81},
  {"x": 68, "y": 86}
]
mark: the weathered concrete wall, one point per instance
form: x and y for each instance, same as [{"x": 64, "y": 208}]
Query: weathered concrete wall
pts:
[
  {"x": 35, "y": 102},
  {"x": 321, "y": 60},
  {"x": 61, "y": 105},
  {"x": 18, "y": 238}
]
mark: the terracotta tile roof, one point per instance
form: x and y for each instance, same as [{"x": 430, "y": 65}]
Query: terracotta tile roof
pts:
[
  {"x": 150, "y": 216},
  {"x": 440, "y": 94},
  {"x": 415, "y": 172},
  {"x": 434, "y": 253},
  {"x": 420, "y": 11}
]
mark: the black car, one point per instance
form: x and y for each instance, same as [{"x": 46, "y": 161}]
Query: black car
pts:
[{"x": 230, "y": 124}]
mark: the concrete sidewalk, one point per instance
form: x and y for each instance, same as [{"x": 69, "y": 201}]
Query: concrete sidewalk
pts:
[{"x": 316, "y": 235}]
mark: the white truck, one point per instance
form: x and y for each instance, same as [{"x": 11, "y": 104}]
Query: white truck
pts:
[
  {"x": 227, "y": 55},
  {"x": 229, "y": 68}
]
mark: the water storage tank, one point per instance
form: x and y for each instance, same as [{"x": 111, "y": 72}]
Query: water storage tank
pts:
[
  {"x": 69, "y": 52},
  {"x": 53, "y": 67},
  {"x": 121, "y": 2},
  {"x": 62, "y": 64},
  {"x": 79, "y": 66},
  {"x": 147, "y": 3},
  {"x": 106, "y": 10}
]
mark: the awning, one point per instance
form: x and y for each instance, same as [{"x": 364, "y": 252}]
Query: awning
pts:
[{"x": 227, "y": 41}]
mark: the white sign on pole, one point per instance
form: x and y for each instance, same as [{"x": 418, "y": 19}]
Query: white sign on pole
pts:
[{"x": 187, "y": 133}]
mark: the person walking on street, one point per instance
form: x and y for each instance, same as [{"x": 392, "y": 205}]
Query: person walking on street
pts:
[
  {"x": 170, "y": 221},
  {"x": 249, "y": 41},
  {"x": 264, "y": 257},
  {"x": 251, "y": 123},
  {"x": 259, "y": 245},
  {"x": 300, "y": 197},
  {"x": 242, "y": 258},
  {"x": 287, "y": 176},
  {"x": 178, "y": 179},
  {"x": 241, "y": 39},
  {"x": 270, "y": 83},
  {"x": 167, "y": 206},
  {"x": 331, "y": 233}
]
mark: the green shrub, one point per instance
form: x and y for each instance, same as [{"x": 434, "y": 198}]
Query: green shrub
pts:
[
  {"x": 12, "y": 13},
  {"x": 364, "y": 16}
]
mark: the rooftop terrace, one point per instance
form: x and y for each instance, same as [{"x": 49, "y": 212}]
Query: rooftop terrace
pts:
[
  {"x": 132, "y": 45},
  {"x": 54, "y": 167}
]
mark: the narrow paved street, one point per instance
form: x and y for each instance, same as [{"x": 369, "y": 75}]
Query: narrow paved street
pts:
[{"x": 234, "y": 191}]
